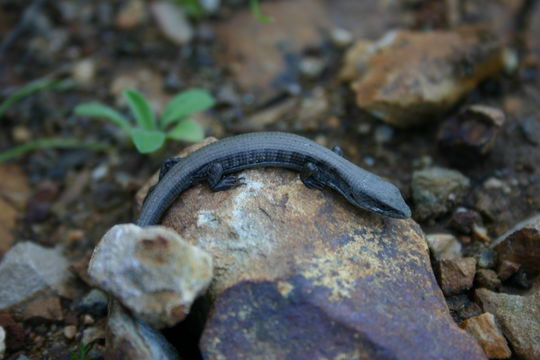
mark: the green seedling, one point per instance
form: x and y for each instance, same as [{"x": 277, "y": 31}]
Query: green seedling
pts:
[
  {"x": 82, "y": 353},
  {"x": 148, "y": 133}
]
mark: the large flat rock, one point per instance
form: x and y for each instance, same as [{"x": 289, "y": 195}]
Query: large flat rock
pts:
[{"x": 302, "y": 274}]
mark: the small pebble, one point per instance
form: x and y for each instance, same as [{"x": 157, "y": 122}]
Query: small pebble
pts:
[
  {"x": 21, "y": 134},
  {"x": 506, "y": 269},
  {"x": 383, "y": 134},
  {"x": 70, "y": 331},
  {"x": 84, "y": 71},
  {"x": 312, "y": 67},
  {"x": 341, "y": 37},
  {"x": 487, "y": 259},
  {"x": 488, "y": 279},
  {"x": 88, "y": 320}
]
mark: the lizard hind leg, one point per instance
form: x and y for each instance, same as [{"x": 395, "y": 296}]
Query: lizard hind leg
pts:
[{"x": 218, "y": 182}]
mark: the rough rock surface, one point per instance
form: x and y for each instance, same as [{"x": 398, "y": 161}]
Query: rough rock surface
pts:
[
  {"x": 519, "y": 317},
  {"x": 301, "y": 273},
  {"x": 522, "y": 247},
  {"x": 29, "y": 270},
  {"x": 485, "y": 330},
  {"x": 131, "y": 339},
  {"x": 435, "y": 190},
  {"x": 409, "y": 77},
  {"x": 152, "y": 271},
  {"x": 456, "y": 275}
]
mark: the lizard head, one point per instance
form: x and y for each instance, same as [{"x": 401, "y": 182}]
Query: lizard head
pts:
[{"x": 380, "y": 196}]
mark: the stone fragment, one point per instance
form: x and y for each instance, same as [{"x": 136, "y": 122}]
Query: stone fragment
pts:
[
  {"x": 463, "y": 220},
  {"x": 172, "y": 21},
  {"x": 462, "y": 308},
  {"x": 519, "y": 318},
  {"x": 301, "y": 273},
  {"x": 95, "y": 303},
  {"x": 444, "y": 246},
  {"x": 153, "y": 271},
  {"x": 29, "y": 270},
  {"x": 485, "y": 330},
  {"x": 45, "y": 308},
  {"x": 466, "y": 138},
  {"x": 488, "y": 279},
  {"x": 131, "y": 14},
  {"x": 312, "y": 67},
  {"x": 70, "y": 332},
  {"x": 341, "y": 37},
  {"x": 522, "y": 247},
  {"x": 129, "y": 338},
  {"x": 14, "y": 331},
  {"x": 480, "y": 233},
  {"x": 436, "y": 190},
  {"x": 84, "y": 71},
  {"x": 456, "y": 275},
  {"x": 486, "y": 259},
  {"x": 506, "y": 269},
  {"x": 93, "y": 334},
  {"x": 410, "y": 77}
]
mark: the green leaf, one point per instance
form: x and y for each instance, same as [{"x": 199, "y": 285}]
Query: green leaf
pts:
[
  {"x": 186, "y": 103},
  {"x": 102, "y": 111},
  {"x": 187, "y": 130},
  {"x": 64, "y": 143},
  {"x": 147, "y": 141},
  {"x": 257, "y": 12},
  {"x": 30, "y": 88},
  {"x": 141, "y": 109}
]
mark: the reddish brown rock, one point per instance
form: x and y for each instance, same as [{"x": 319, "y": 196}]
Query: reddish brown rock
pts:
[
  {"x": 506, "y": 269},
  {"x": 46, "y": 308},
  {"x": 456, "y": 275},
  {"x": 14, "y": 330},
  {"x": 519, "y": 318},
  {"x": 487, "y": 279},
  {"x": 264, "y": 57},
  {"x": 303, "y": 274},
  {"x": 409, "y": 77},
  {"x": 522, "y": 247},
  {"x": 484, "y": 329},
  {"x": 469, "y": 136}
]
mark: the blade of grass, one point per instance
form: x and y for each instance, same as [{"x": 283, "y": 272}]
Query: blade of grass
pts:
[
  {"x": 30, "y": 88},
  {"x": 141, "y": 109},
  {"x": 257, "y": 12},
  {"x": 48, "y": 143}
]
